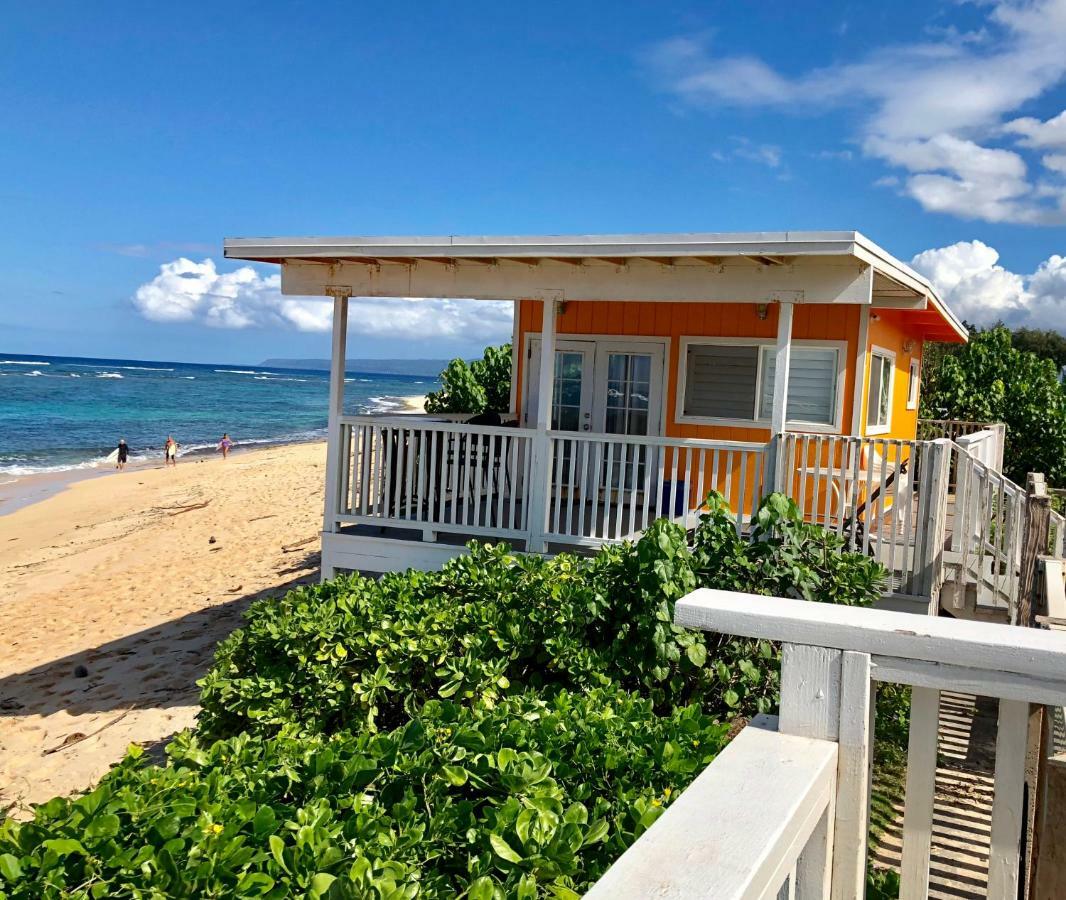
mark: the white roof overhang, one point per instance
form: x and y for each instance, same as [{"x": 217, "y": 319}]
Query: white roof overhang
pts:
[{"x": 805, "y": 266}]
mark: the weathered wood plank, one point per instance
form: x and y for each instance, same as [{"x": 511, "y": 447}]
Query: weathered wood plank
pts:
[
  {"x": 1003, "y": 855},
  {"x": 921, "y": 784},
  {"x": 855, "y": 756},
  {"x": 738, "y": 829},
  {"x": 980, "y": 645}
]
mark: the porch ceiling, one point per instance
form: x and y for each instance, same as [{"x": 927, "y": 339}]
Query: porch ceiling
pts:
[{"x": 805, "y": 266}]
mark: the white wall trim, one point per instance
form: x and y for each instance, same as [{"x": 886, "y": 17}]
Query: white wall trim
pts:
[
  {"x": 885, "y": 353},
  {"x": 915, "y": 370},
  {"x": 761, "y": 343}
]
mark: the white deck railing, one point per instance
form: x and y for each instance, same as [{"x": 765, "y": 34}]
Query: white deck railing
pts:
[
  {"x": 435, "y": 476},
  {"x": 924, "y": 509},
  {"x": 608, "y": 487},
  {"x": 786, "y": 813}
]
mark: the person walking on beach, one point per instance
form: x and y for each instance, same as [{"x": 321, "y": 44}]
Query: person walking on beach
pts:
[
  {"x": 170, "y": 451},
  {"x": 123, "y": 454},
  {"x": 225, "y": 444}
]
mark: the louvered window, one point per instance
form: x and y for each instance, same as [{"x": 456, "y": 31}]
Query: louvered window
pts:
[
  {"x": 812, "y": 384},
  {"x": 721, "y": 381}
]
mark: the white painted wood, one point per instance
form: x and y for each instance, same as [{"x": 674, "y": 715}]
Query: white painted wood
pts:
[
  {"x": 1050, "y": 690},
  {"x": 1007, "y": 821},
  {"x": 379, "y": 554},
  {"x": 860, "y": 369},
  {"x": 810, "y": 692},
  {"x": 921, "y": 785},
  {"x": 854, "y": 761},
  {"x": 336, "y": 408},
  {"x": 819, "y": 282},
  {"x": 738, "y": 829},
  {"x": 782, "y": 364},
  {"x": 814, "y": 869},
  {"x": 981, "y": 645},
  {"x": 539, "y": 499}
]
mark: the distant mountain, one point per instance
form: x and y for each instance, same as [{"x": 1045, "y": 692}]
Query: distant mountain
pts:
[{"x": 425, "y": 368}]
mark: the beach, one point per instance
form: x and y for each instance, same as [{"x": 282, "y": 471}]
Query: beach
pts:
[{"x": 114, "y": 592}]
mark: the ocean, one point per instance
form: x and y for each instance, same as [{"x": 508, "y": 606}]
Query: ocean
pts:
[{"x": 60, "y": 413}]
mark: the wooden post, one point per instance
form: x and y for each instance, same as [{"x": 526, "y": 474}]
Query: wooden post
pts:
[
  {"x": 920, "y": 791},
  {"x": 336, "y": 408},
  {"x": 782, "y": 360},
  {"x": 854, "y": 767},
  {"x": 1034, "y": 544},
  {"x": 541, "y": 474},
  {"x": 811, "y": 707},
  {"x": 936, "y": 465}
]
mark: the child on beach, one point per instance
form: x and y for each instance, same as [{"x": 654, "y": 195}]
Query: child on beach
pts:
[
  {"x": 224, "y": 445},
  {"x": 123, "y": 454},
  {"x": 170, "y": 452}
]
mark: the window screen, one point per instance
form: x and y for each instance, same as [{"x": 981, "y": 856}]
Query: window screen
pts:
[
  {"x": 720, "y": 381},
  {"x": 812, "y": 385}
]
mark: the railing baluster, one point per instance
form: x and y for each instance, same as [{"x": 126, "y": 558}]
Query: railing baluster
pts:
[
  {"x": 744, "y": 510},
  {"x": 1007, "y": 806},
  {"x": 634, "y": 473},
  {"x": 571, "y": 484},
  {"x": 620, "y": 503},
  {"x": 921, "y": 786}
]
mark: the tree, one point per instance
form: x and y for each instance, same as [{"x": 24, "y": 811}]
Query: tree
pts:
[
  {"x": 990, "y": 380},
  {"x": 483, "y": 385},
  {"x": 1045, "y": 344}
]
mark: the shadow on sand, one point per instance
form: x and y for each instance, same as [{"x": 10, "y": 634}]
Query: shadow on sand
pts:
[{"x": 156, "y": 667}]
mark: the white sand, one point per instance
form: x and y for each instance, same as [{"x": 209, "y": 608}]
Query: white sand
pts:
[{"x": 137, "y": 576}]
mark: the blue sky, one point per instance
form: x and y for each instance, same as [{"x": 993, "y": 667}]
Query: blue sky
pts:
[{"x": 135, "y": 135}]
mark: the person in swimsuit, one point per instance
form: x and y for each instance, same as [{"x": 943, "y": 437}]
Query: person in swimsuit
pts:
[
  {"x": 123, "y": 454},
  {"x": 224, "y": 445},
  {"x": 170, "y": 451}
]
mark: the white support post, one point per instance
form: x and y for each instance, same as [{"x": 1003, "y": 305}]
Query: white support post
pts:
[
  {"x": 920, "y": 792},
  {"x": 854, "y": 764},
  {"x": 782, "y": 359},
  {"x": 336, "y": 410},
  {"x": 540, "y": 488},
  {"x": 779, "y": 416},
  {"x": 1007, "y": 821},
  {"x": 811, "y": 708}
]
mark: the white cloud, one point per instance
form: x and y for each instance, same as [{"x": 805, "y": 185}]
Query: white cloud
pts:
[
  {"x": 768, "y": 155},
  {"x": 934, "y": 108},
  {"x": 188, "y": 291},
  {"x": 971, "y": 281}
]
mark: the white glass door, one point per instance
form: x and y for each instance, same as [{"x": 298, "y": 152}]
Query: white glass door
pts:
[{"x": 572, "y": 394}]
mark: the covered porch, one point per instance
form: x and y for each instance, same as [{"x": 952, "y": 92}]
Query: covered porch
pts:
[{"x": 627, "y": 402}]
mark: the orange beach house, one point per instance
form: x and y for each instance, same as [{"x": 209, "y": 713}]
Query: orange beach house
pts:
[{"x": 661, "y": 355}]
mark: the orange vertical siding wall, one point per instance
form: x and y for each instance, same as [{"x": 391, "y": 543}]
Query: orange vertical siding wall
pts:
[
  {"x": 890, "y": 331},
  {"x": 677, "y": 320}
]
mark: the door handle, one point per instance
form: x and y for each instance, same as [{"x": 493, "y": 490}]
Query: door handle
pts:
[{"x": 585, "y": 427}]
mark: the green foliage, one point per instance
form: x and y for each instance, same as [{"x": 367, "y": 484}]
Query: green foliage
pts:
[
  {"x": 362, "y": 652},
  {"x": 483, "y": 385},
  {"x": 989, "y": 380},
  {"x": 1045, "y": 344},
  {"x": 530, "y": 798},
  {"x": 505, "y": 727},
  {"x": 882, "y": 884}
]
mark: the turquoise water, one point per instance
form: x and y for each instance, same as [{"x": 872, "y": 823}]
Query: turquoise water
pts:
[{"x": 59, "y": 413}]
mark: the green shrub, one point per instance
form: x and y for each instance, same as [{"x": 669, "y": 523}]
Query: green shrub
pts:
[
  {"x": 533, "y": 797},
  {"x": 504, "y": 727},
  {"x": 483, "y": 385},
  {"x": 358, "y": 651}
]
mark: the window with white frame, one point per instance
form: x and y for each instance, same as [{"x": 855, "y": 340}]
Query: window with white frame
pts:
[
  {"x": 879, "y": 396},
  {"x": 735, "y": 382},
  {"x": 913, "y": 382}
]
